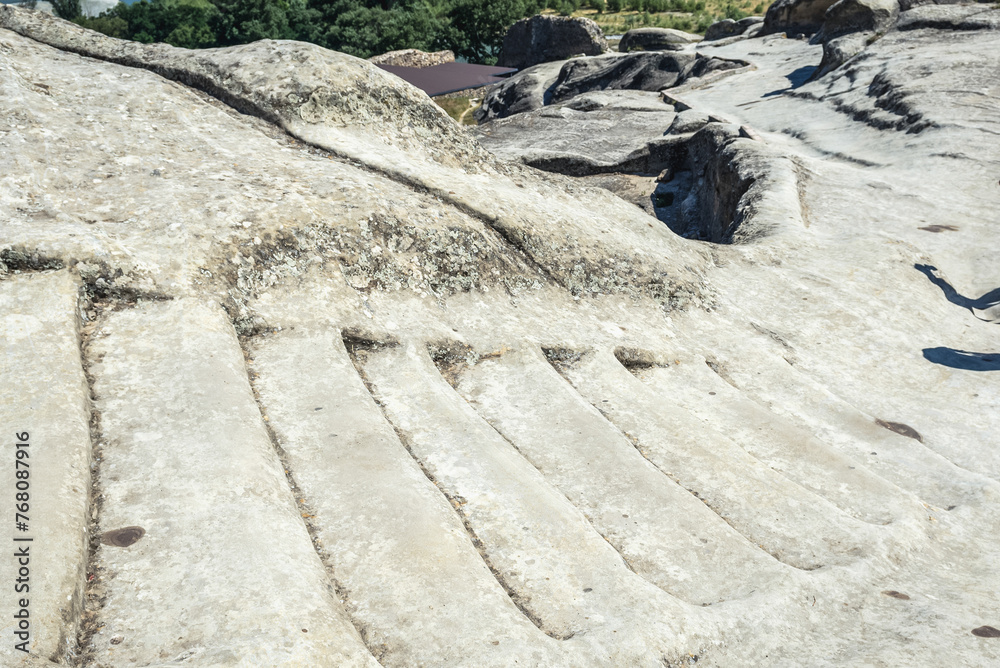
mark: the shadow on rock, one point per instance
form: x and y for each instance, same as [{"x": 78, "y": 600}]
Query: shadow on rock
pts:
[
  {"x": 987, "y": 301},
  {"x": 963, "y": 359},
  {"x": 796, "y": 78}
]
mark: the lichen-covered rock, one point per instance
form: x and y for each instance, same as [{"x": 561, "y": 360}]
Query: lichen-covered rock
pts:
[
  {"x": 413, "y": 58},
  {"x": 542, "y": 39},
  {"x": 656, "y": 39}
]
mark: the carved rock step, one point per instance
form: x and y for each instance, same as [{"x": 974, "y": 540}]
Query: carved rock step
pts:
[
  {"x": 905, "y": 464},
  {"x": 415, "y": 582},
  {"x": 788, "y": 521},
  {"x": 226, "y": 571},
  {"x": 43, "y": 392},
  {"x": 783, "y": 445},
  {"x": 557, "y": 567},
  {"x": 664, "y": 532}
]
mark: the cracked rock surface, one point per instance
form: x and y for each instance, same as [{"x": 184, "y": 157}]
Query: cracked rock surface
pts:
[{"x": 311, "y": 377}]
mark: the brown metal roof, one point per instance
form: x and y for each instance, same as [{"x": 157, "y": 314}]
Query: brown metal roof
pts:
[{"x": 449, "y": 77}]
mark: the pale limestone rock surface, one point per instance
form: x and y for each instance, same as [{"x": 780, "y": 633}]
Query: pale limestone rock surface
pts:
[
  {"x": 413, "y": 58},
  {"x": 325, "y": 382}
]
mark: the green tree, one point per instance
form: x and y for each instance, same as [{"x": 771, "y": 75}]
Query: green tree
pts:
[
  {"x": 67, "y": 9},
  {"x": 244, "y": 21},
  {"x": 112, "y": 26},
  {"x": 482, "y": 24},
  {"x": 365, "y": 29}
]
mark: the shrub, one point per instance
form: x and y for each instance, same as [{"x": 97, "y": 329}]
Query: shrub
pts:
[{"x": 731, "y": 11}]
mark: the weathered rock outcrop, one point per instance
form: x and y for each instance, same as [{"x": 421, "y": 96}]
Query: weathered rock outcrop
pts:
[
  {"x": 847, "y": 16},
  {"x": 749, "y": 26},
  {"x": 594, "y": 133},
  {"x": 557, "y": 82},
  {"x": 851, "y": 25},
  {"x": 656, "y": 39},
  {"x": 413, "y": 58},
  {"x": 543, "y": 39},
  {"x": 308, "y": 377},
  {"x": 796, "y": 17},
  {"x": 717, "y": 184}
]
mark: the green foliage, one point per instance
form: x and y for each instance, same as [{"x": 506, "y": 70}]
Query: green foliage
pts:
[
  {"x": 478, "y": 27},
  {"x": 66, "y": 9},
  {"x": 731, "y": 11},
  {"x": 615, "y": 6},
  {"x": 112, "y": 26},
  {"x": 365, "y": 31},
  {"x": 184, "y": 23}
]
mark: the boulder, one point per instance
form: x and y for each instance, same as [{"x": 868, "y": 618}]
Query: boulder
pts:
[
  {"x": 839, "y": 50},
  {"x": 413, "y": 58},
  {"x": 722, "y": 29},
  {"x": 543, "y": 39},
  {"x": 525, "y": 91},
  {"x": 796, "y": 17},
  {"x": 847, "y": 16},
  {"x": 689, "y": 120},
  {"x": 730, "y": 28},
  {"x": 656, "y": 39},
  {"x": 643, "y": 70}
]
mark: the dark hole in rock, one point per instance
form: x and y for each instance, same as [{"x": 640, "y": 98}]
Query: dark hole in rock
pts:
[
  {"x": 939, "y": 228},
  {"x": 896, "y": 594},
  {"x": 901, "y": 429},
  {"x": 986, "y": 632},
  {"x": 357, "y": 340},
  {"x": 635, "y": 359},
  {"x": 123, "y": 537},
  {"x": 663, "y": 199}
]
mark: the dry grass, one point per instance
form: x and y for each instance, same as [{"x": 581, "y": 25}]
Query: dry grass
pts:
[{"x": 459, "y": 108}]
